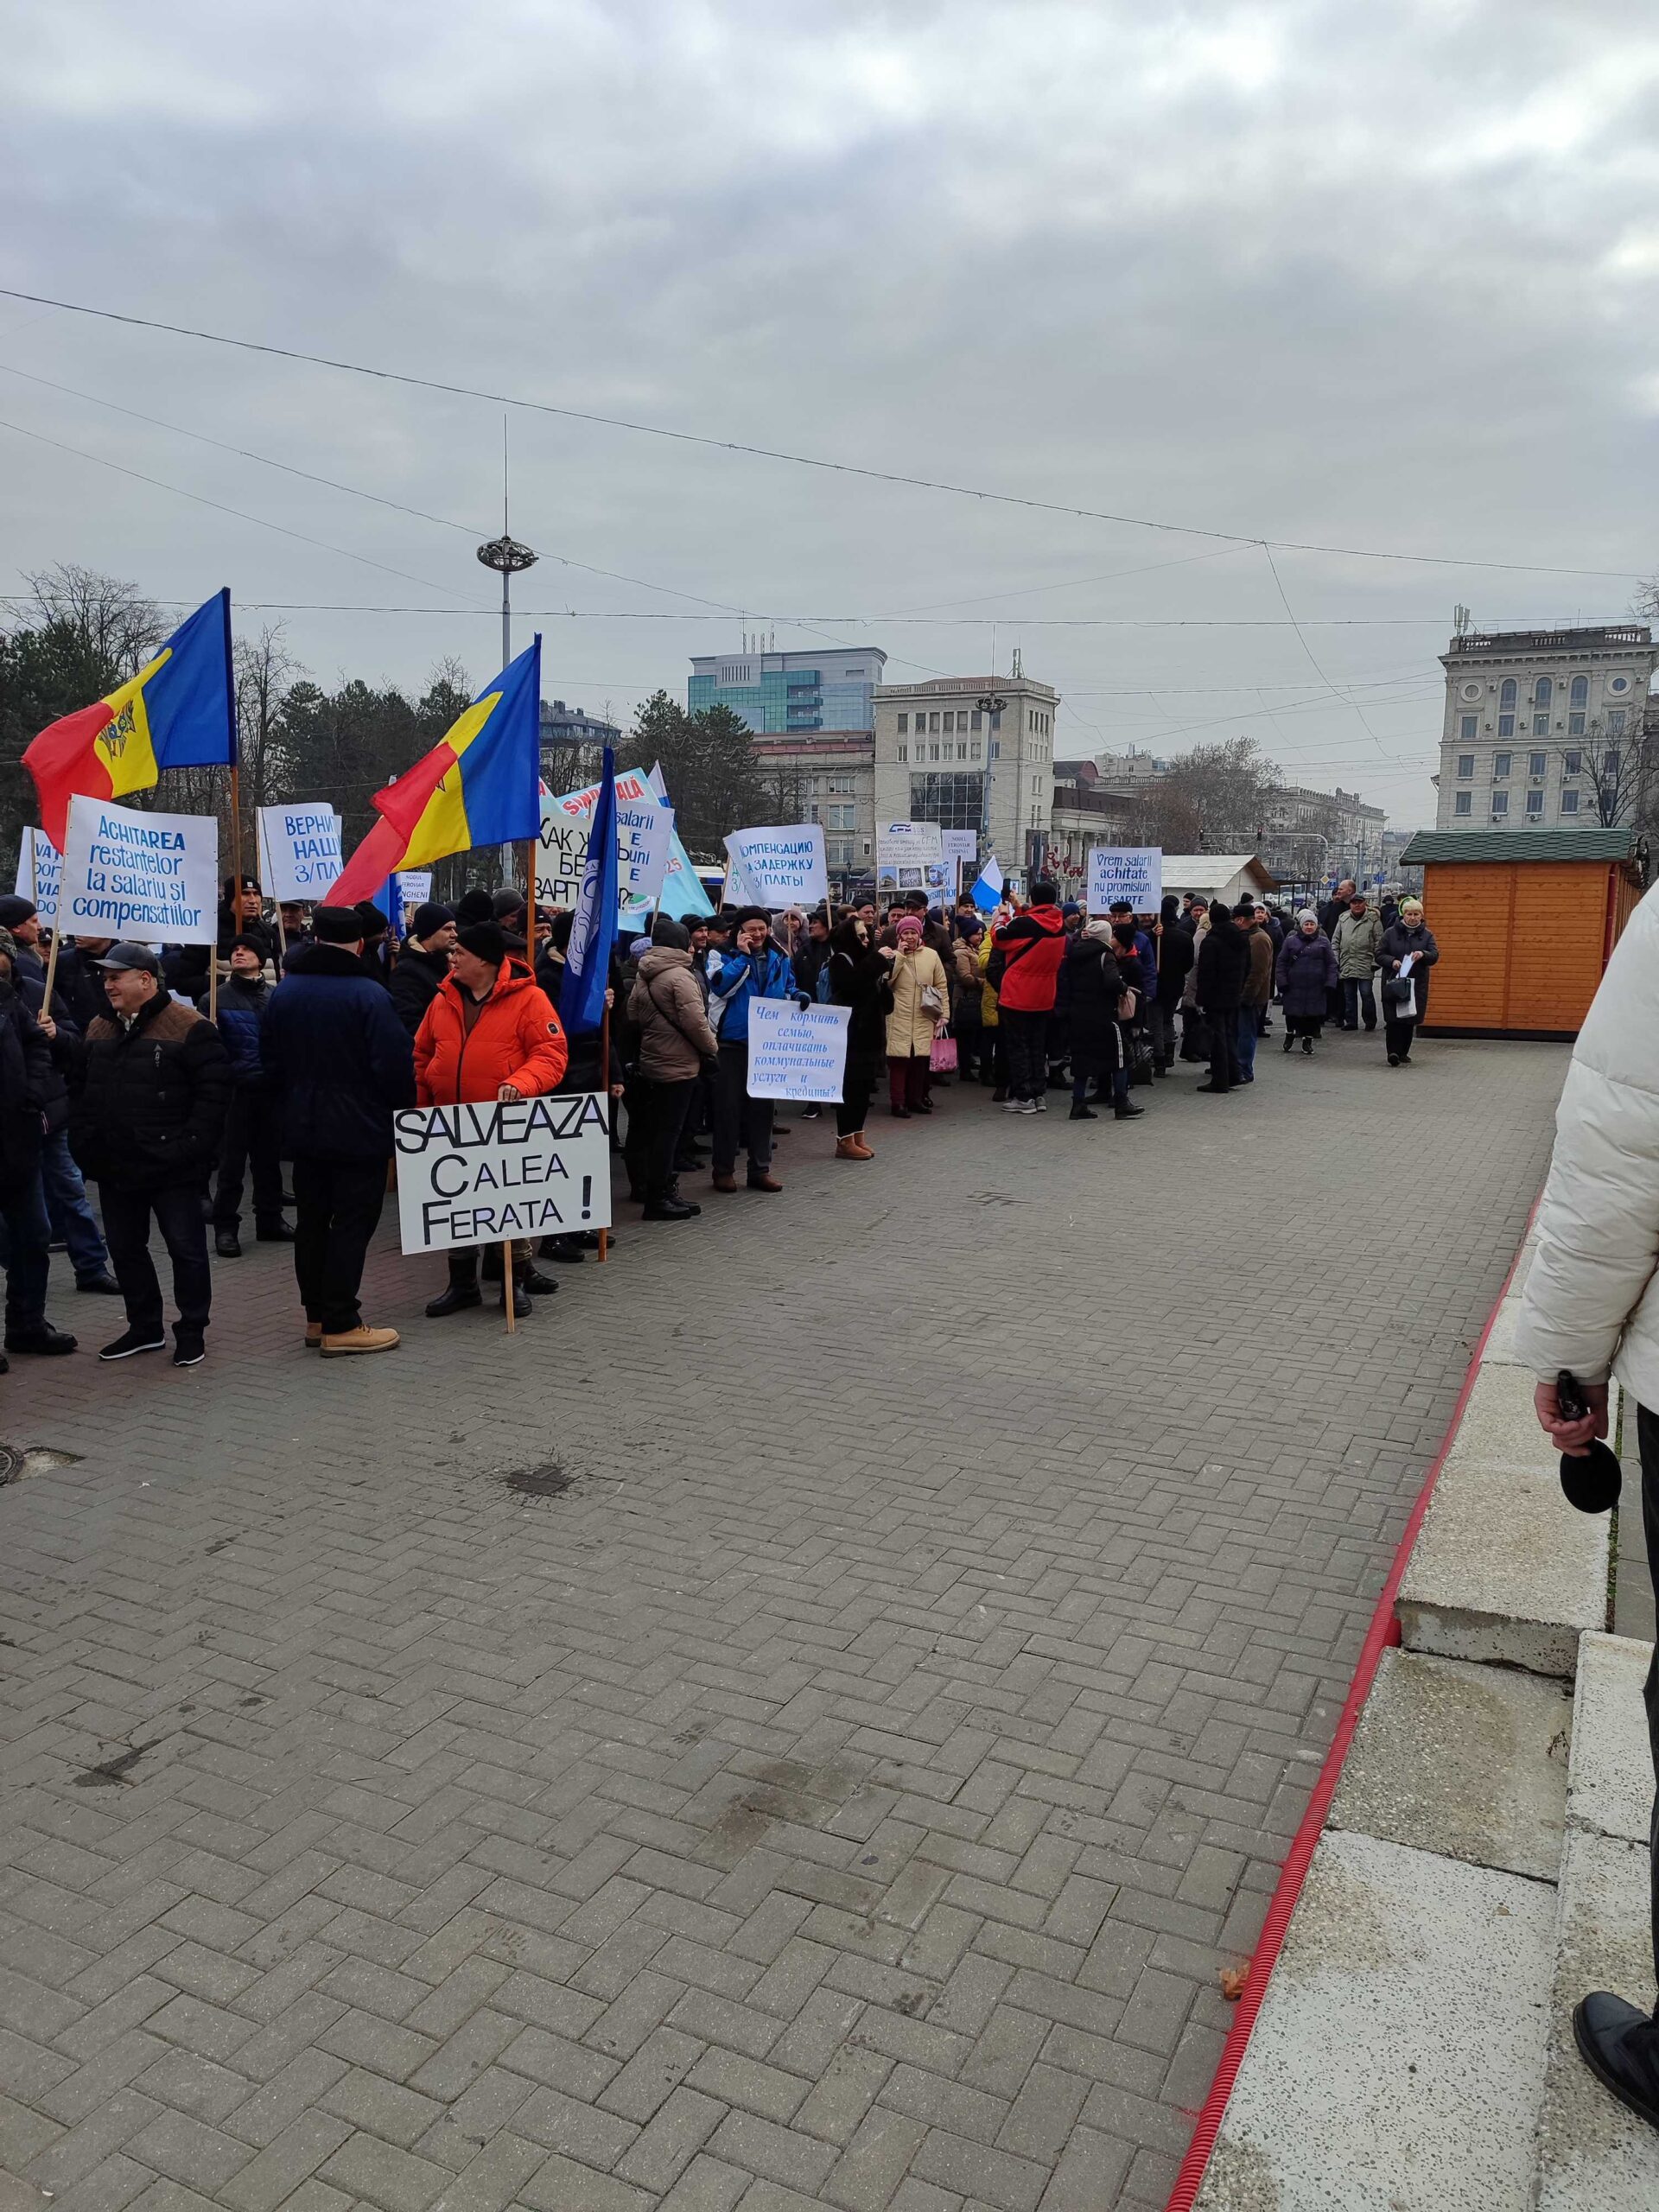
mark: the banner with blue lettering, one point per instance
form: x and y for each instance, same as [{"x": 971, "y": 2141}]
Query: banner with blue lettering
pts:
[{"x": 153, "y": 878}]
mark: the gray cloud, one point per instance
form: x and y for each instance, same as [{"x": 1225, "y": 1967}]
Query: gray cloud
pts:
[{"x": 1375, "y": 277}]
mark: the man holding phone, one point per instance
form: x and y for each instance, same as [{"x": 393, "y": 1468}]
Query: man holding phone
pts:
[{"x": 1590, "y": 1309}]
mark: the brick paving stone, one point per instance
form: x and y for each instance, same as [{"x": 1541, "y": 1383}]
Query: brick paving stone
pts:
[{"x": 862, "y": 1820}]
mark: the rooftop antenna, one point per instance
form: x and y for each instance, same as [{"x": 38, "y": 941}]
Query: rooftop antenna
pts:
[
  {"x": 1017, "y": 668},
  {"x": 1461, "y": 621}
]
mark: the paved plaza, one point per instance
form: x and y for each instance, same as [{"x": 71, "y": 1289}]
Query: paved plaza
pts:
[{"x": 804, "y": 1722}]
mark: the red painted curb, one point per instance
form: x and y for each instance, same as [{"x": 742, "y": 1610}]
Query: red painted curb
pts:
[{"x": 1383, "y": 1631}]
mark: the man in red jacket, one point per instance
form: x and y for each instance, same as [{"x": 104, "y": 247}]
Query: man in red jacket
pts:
[
  {"x": 490, "y": 1033},
  {"x": 1033, "y": 946}
]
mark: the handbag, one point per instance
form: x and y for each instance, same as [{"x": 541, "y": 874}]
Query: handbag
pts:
[
  {"x": 932, "y": 1000},
  {"x": 1127, "y": 1004},
  {"x": 942, "y": 1055}
]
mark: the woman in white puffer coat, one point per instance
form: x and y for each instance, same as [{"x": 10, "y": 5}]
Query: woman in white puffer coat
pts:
[{"x": 1590, "y": 1306}]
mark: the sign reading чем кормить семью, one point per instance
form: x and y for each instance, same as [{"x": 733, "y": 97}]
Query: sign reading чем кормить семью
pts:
[
  {"x": 479, "y": 1173},
  {"x": 798, "y": 1051}
]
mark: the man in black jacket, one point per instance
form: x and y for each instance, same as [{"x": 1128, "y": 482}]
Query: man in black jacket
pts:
[
  {"x": 150, "y": 1084},
  {"x": 26, "y": 1083},
  {"x": 1175, "y": 964},
  {"x": 342, "y": 1065},
  {"x": 422, "y": 963},
  {"x": 1223, "y": 964}
]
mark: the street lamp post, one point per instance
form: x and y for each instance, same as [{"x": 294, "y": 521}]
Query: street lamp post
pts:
[
  {"x": 509, "y": 559},
  {"x": 988, "y": 705}
]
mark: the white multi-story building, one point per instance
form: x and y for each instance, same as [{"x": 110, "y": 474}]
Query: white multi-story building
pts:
[
  {"x": 1530, "y": 716},
  {"x": 937, "y": 743}
]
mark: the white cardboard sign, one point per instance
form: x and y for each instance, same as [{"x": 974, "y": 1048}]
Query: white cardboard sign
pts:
[
  {"x": 1131, "y": 872},
  {"x": 301, "y": 848},
  {"x": 780, "y": 867},
  {"x": 644, "y": 827},
  {"x": 40, "y": 871},
  {"x": 478, "y": 1174},
  {"x": 798, "y": 1051},
  {"x": 153, "y": 878}
]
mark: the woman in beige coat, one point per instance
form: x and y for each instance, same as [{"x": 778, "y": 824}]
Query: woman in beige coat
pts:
[{"x": 921, "y": 998}]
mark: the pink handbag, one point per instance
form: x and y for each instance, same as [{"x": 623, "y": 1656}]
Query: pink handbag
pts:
[{"x": 941, "y": 1060}]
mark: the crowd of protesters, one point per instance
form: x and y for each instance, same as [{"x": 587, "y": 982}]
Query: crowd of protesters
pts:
[{"x": 271, "y": 1066}]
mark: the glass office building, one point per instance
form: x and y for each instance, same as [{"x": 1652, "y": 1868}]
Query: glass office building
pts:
[{"x": 830, "y": 689}]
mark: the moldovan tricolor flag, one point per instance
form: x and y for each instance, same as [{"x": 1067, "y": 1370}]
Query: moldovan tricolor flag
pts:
[
  {"x": 480, "y": 785},
  {"x": 178, "y": 712}
]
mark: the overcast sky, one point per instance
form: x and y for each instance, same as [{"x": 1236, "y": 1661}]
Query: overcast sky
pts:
[{"x": 1376, "y": 277}]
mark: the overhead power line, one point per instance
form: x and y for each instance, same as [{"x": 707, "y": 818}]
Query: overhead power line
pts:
[{"x": 794, "y": 459}]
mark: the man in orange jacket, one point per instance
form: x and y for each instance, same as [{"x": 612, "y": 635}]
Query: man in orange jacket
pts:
[{"x": 490, "y": 1033}]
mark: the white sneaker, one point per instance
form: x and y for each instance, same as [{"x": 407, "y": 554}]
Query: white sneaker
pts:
[
  {"x": 1039, "y": 1105},
  {"x": 1028, "y": 1106}
]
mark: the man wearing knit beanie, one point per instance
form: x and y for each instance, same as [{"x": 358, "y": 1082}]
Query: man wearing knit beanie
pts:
[{"x": 422, "y": 963}]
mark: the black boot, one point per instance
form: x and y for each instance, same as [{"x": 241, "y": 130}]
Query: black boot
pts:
[
  {"x": 1621, "y": 2048},
  {"x": 456, "y": 1300},
  {"x": 1124, "y": 1112},
  {"x": 227, "y": 1245},
  {"x": 1083, "y": 1114},
  {"x": 670, "y": 1209},
  {"x": 532, "y": 1283}
]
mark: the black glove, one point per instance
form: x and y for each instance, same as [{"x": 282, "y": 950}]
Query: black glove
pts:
[{"x": 802, "y": 999}]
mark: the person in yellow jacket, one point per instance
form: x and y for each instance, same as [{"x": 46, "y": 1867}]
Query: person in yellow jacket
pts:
[{"x": 921, "y": 1002}]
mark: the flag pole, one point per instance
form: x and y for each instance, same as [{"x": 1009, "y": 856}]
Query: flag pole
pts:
[
  {"x": 52, "y": 955},
  {"x": 610, "y": 1107}
]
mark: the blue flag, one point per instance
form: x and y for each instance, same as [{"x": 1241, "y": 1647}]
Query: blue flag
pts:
[{"x": 592, "y": 933}]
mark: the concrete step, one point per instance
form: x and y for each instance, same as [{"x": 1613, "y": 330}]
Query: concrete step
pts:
[
  {"x": 1592, "y": 2155},
  {"x": 1469, "y": 1762},
  {"x": 1398, "y": 2058},
  {"x": 1504, "y": 1570}
]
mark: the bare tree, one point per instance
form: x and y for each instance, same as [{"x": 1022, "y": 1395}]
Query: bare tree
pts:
[
  {"x": 1215, "y": 798},
  {"x": 112, "y": 621},
  {"x": 1620, "y": 769}
]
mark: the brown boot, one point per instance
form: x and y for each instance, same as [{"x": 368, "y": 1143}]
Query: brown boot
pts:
[
  {"x": 314, "y": 1336},
  {"x": 863, "y": 1151},
  {"x": 763, "y": 1181},
  {"x": 849, "y": 1148},
  {"x": 725, "y": 1180},
  {"x": 360, "y": 1339}
]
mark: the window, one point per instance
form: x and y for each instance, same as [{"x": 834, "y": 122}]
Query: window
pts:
[
  {"x": 973, "y": 719},
  {"x": 904, "y": 753},
  {"x": 1616, "y": 721},
  {"x": 848, "y": 673},
  {"x": 1575, "y": 725},
  {"x": 1463, "y": 803},
  {"x": 996, "y": 748},
  {"x": 933, "y": 728},
  {"x": 1500, "y": 766},
  {"x": 1610, "y": 764},
  {"x": 1534, "y": 806},
  {"x": 1465, "y": 766},
  {"x": 974, "y": 748},
  {"x": 841, "y": 818},
  {"x": 1572, "y": 764},
  {"x": 1506, "y": 692},
  {"x": 1540, "y": 725},
  {"x": 844, "y": 785},
  {"x": 961, "y": 750},
  {"x": 1468, "y": 728},
  {"x": 1569, "y": 802},
  {"x": 904, "y": 725},
  {"x": 933, "y": 750},
  {"x": 1535, "y": 763},
  {"x": 1500, "y": 804},
  {"x": 1506, "y": 725},
  {"x": 1543, "y": 692},
  {"x": 1580, "y": 694},
  {"x": 952, "y": 801}
]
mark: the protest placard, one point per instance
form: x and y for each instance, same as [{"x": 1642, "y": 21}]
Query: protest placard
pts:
[
  {"x": 961, "y": 848},
  {"x": 798, "y": 1051},
  {"x": 648, "y": 849},
  {"x": 780, "y": 867},
  {"x": 40, "y": 871},
  {"x": 905, "y": 851},
  {"x": 302, "y": 850},
  {"x": 150, "y": 877},
  {"x": 479, "y": 1174},
  {"x": 415, "y": 885},
  {"x": 1131, "y": 872}
]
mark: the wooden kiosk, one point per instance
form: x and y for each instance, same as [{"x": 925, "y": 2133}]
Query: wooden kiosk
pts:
[{"x": 1525, "y": 920}]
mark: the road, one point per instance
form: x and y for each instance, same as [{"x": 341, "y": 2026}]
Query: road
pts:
[{"x": 803, "y": 1723}]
